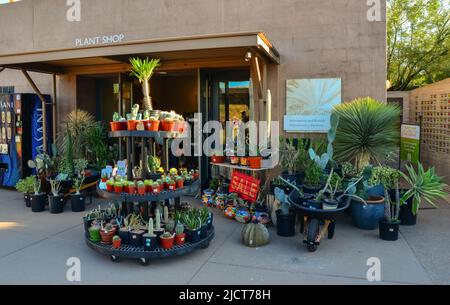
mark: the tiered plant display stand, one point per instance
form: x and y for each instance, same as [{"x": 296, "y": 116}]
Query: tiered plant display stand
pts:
[{"x": 148, "y": 140}]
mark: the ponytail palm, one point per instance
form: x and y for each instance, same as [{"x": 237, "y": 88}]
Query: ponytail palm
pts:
[
  {"x": 368, "y": 131},
  {"x": 143, "y": 70}
]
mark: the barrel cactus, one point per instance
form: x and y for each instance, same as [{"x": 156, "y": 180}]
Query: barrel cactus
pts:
[{"x": 255, "y": 235}]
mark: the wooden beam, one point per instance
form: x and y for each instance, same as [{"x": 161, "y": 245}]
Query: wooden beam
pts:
[
  {"x": 44, "y": 106},
  {"x": 257, "y": 76},
  {"x": 38, "y": 67},
  {"x": 54, "y": 103}
]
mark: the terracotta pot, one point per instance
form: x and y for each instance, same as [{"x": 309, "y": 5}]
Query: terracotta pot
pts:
[
  {"x": 131, "y": 189},
  {"x": 255, "y": 162},
  {"x": 141, "y": 190},
  {"x": 104, "y": 180},
  {"x": 131, "y": 125},
  {"x": 172, "y": 187},
  {"x": 156, "y": 191},
  {"x": 218, "y": 159},
  {"x": 107, "y": 237},
  {"x": 168, "y": 126},
  {"x": 152, "y": 125},
  {"x": 180, "y": 184},
  {"x": 235, "y": 160},
  {"x": 180, "y": 239},
  {"x": 126, "y": 188},
  {"x": 118, "y": 189},
  {"x": 149, "y": 189},
  {"x": 117, "y": 244},
  {"x": 167, "y": 243},
  {"x": 118, "y": 126},
  {"x": 110, "y": 188}
]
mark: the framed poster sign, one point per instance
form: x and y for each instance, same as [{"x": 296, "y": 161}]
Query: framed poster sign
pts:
[
  {"x": 410, "y": 143},
  {"x": 310, "y": 102}
]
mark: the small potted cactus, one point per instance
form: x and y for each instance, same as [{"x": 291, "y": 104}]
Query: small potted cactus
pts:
[
  {"x": 131, "y": 187},
  {"x": 55, "y": 199},
  {"x": 94, "y": 233},
  {"x": 158, "y": 229},
  {"x": 118, "y": 187},
  {"x": 110, "y": 185},
  {"x": 141, "y": 188},
  {"x": 168, "y": 124},
  {"x": 180, "y": 182},
  {"x": 171, "y": 185},
  {"x": 180, "y": 236},
  {"x": 104, "y": 177},
  {"x": 156, "y": 188},
  {"x": 149, "y": 239},
  {"x": 133, "y": 118},
  {"x": 148, "y": 186},
  {"x": 107, "y": 233},
  {"x": 77, "y": 200},
  {"x": 152, "y": 124},
  {"x": 118, "y": 123},
  {"x": 117, "y": 242},
  {"x": 167, "y": 240}
]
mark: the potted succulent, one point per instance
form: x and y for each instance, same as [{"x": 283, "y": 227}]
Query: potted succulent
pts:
[
  {"x": 424, "y": 186},
  {"x": 180, "y": 236},
  {"x": 149, "y": 239},
  {"x": 204, "y": 215},
  {"x": 313, "y": 179},
  {"x": 334, "y": 184},
  {"x": 38, "y": 198},
  {"x": 26, "y": 186},
  {"x": 131, "y": 187},
  {"x": 285, "y": 216},
  {"x": 168, "y": 124},
  {"x": 118, "y": 186},
  {"x": 141, "y": 188},
  {"x": 155, "y": 188},
  {"x": 148, "y": 186},
  {"x": 193, "y": 225},
  {"x": 167, "y": 240},
  {"x": 118, "y": 123},
  {"x": 117, "y": 242},
  {"x": 152, "y": 124},
  {"x": 107, "y": 233},
  {"x": 293, "y": 156},
  {"x": 110, "y": 185},
  {"x": 77, "y": 200},
  {"x": 136, "y": 237},
  {"x": 94, "y": 233},
  {"x": 255, "y": 161},
  {"x": 158, "y": 228},
  {"x": 180, "y": 182},
  {"x": 56, "y": 199},
  {"x": 171, "y": 185},
  {"x": 133, "y": 118},
  {"x": 235, "y": 160},
  {"x": 143, "y": 70},
  {"x": 390, "y": 224}
]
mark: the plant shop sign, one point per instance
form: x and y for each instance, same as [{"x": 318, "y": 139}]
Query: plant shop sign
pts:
[
  {"x": 309, "y": 103},
  {"x": 410, "y": 143},
  {"x": 99, "y": 40}
]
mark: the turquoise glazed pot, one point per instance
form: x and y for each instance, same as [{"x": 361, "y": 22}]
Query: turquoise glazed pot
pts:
[
  {"x": 367, "y": 217},
  {"x": 377, "y": 190}
]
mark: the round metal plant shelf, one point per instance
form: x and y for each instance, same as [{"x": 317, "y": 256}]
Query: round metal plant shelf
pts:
[{"x": 131, "y": 252}]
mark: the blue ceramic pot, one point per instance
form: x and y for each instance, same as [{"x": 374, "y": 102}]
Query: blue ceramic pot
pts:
[
  {"x": 375, "y": 191},
  {"x": 367, "y": 217}
]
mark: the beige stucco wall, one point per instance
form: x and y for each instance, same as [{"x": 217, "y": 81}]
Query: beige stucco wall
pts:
[{"x": 315, "y": 39}]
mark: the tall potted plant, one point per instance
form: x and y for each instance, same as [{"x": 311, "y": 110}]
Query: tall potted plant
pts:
[
  {"x": 367, "y": 132},
  {"x": 143, "y": 70},
  {"x": 293, "y": 157},
  {"x": 38, "y": 198},
  {"x": 77, "y": 200},
  {"x": 26, "y": 186},
  {"x": 56, "y": 199},
  {"x": 285, "y": 215},
  {"x": 424, "y": 186}
]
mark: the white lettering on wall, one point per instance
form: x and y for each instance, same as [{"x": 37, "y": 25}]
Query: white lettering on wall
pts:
[
  {"x": 99, "y": 40},
  {"x": 74, "y": 11}
]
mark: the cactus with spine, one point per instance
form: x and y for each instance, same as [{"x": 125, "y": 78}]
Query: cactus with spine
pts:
[
  {"x": 158, "y": 220},
  {"x": 179, "y": 229},
  {"x": 323, "y": 160},
  {"x": 151, "y": 228},
  {"x": 166, "y": 215}
]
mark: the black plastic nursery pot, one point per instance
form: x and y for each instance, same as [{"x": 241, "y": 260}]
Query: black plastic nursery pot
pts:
[
  {"x": 406, "y": 216},
  {"x": 136, "y": 238},
  {"x": 210, "y": 221},
  {"x": 330, "y": 204},
  {"x": 285, "y": 224},
  {"x": 311, "y": 189},
  {"x": 193, "y": 236},
  {"x": 38, "y": 203},
  {"x": 149, "y": 242},
  {"x": 27, "y": 198},
  {"x": 204, "y": 232},
  {"x": 124, "y": 234},
  {"x": 56, "y": 204},
  {"x": 388, "y": 231},
  {"x": 78, "y": 203}
]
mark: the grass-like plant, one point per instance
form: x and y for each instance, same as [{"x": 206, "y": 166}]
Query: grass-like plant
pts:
[
  {"x": 367, "y": 132},
  {"x": 143, "y": 70}
]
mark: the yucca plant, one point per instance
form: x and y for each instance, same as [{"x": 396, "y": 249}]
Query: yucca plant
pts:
[
  {"x": 425, "y": 185},
  {"x": 367, "y": 132},
  {"x": 143, "y": 70}
]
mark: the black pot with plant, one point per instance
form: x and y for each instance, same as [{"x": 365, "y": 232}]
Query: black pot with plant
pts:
[
  {"x": 136, "y": 238},
  {"x": 313, "y": 179},
  {"x": 26, "y": 186},
  {"x": 55, "y": 199},
  {"x": 293, "y": 157},
  {"x": 38, "y": 199},
  {"x": 285, "y": 215},
  {"x": 193, "y": 225},
  {"x": 78, "y": 199}
]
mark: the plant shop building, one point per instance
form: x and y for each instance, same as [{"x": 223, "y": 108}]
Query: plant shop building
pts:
[{"x": 225, "y": 59}]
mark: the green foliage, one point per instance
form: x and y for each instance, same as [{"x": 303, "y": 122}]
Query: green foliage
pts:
[
  {"x": 367, "y": 132},
  {"x": 425, "y": 185},
  {"x": 293, "y": 154},
  {"x": 26, "y": 185},
  {"x": 55, "y": 187},
  {"x": 143, "y": 69},
  {"x": 313, "y": 176},
  {"x": 322, "y": 160},
  {"x": 43, "y": 164},
  {"x": 78, "y": 184},
  {"x": 418, "y": 41},
  {"x": 37, "y": 185},
  {"x": 154, "y": 163},
  {"x": 384, "y": 175}
]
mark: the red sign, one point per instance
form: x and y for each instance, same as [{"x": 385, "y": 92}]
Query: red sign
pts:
[{"x": 245, "y": 186}]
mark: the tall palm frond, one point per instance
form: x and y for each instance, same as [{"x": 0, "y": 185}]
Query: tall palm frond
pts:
[{"x": 143, "y": 70}]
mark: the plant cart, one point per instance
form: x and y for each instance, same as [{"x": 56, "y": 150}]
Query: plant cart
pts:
[{"x": 316, "y": 223}]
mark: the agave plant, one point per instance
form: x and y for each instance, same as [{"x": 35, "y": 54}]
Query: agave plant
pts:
[
  {"x": 143, "y": 70},
  {"x": 425, "y": 185},
  {"x": 367, "y": 132}
]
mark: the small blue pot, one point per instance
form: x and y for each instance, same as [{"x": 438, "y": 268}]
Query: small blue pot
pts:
[{"x": 367, "y": 217}]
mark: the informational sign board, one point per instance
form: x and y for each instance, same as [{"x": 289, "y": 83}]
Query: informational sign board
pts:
[
  {"x": 410, "y": 143},
  {"x": 245, "y": 186},
  {"x": 309, "y": 104}
]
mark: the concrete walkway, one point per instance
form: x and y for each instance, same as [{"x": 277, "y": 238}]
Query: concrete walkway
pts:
[{"x": 34, "y": 249}]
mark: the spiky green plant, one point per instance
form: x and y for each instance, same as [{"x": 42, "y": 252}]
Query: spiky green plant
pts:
[
  {"x": 425, "y": 185},
  {"x": 367, "y": 132},
  {"x": 143, "y": 70}
]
